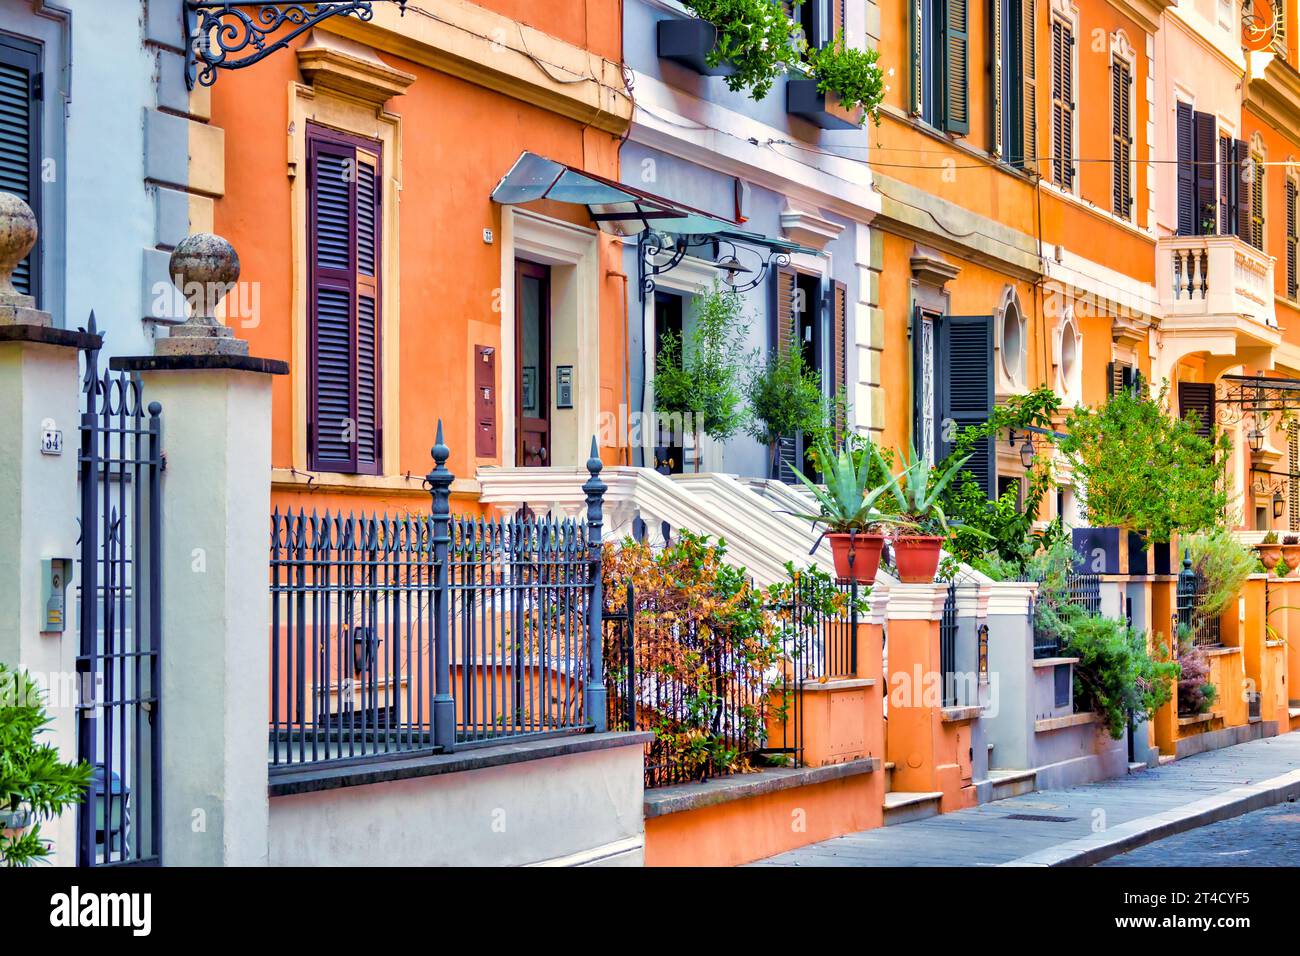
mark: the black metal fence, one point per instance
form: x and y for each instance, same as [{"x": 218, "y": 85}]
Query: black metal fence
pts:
[
  {"x": 716, "y": 703},
  {"x": 120, "y": 613},
  {"x": 1082, "y": 590},
  {"x": 948, "y": 646},
  {"x": 422, "y": 633},
  {"x": 1190, "y": 613}
]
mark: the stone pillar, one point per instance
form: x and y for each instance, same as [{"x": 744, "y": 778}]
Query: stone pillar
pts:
[
  {"x": 915, "y": 686},
  {"x": 1009, "y": 716},
  {"x": 40, "y": 389},
  {"x": 216, "y": 403}
]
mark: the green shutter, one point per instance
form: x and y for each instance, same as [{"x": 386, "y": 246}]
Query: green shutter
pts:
[
  {"x": 964, "y": 377},
  {"x": 956, "y": 92},
  {"x": 917, "y": 89},
  {"x": 20, "y": 143},
  {"x": 997, "y": 65}
]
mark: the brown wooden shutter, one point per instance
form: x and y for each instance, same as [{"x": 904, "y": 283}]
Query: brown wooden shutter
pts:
[
  {"x": 1122, "y": 138},
  {"x": 1029, "y": 84},
  {"x": 1198, "y": 397},
  {"x": 1187, "y": 218},
  {"x": 784, "y": 329},
  {"x": 956, "y": 58},
  {"x": 1291, "y": 278},
  {"x": 916, "y": 91},
  {"x": 21, "y": 83},
  {"x": 840, "y": 346},
  {"x": 344, "y": 228},
  {"x": 1293, "y": 469},
  {"x": 997, "y": 64},
  {"x": 1227, "y": 189},
  {"x": 1062, "y": 104},
  {"x": 1253, "y": 167},
  {"x": 1204, "y": 146}
]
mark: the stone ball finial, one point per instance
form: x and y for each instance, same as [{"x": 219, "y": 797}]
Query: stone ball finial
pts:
[
  {"x": 204, "y": 268},
  {"x": 18, "y": 232}
]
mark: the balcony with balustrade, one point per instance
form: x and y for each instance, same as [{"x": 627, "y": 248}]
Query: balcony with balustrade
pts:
[{"x": 1216, "y": 297}]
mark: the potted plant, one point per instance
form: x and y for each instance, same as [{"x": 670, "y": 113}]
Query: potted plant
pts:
[
  {"x": 849, "y": 512},
  {"x": 844, "y": 86},
  {"x": 1269, "y": 550},
  {"x": 921, "y": 526},
  {"x": 1291, "y": 550},
  {"x": 750, "y": 42},
  {"x": 35, "y": 785}
]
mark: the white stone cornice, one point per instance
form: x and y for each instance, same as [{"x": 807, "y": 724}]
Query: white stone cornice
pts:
[
  {"x": 671, "y": 120},
  {"x": 973, "y": 599},
  {"x": 917, "y": 602},
  {"x": 1008, "y": 598},
  {"x": 878, "y": 604}
]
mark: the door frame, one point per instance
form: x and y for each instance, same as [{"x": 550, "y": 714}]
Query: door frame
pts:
[{"x": 541, "y": 239}]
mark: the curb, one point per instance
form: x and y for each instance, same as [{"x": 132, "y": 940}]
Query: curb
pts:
[{"x": 1135, "y": 833}]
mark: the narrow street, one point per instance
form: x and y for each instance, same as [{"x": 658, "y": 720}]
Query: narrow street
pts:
[
  {"x": 1269, "y": 837},
  {"x": 1085, "y": 824}
]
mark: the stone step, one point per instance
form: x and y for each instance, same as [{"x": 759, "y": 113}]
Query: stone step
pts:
[
  {"x": 1012, "y": 783},
  {"x": 904, "y": 807}
]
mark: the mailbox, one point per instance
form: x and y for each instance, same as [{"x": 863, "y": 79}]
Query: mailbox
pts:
[{"x": 54, "y": 593}]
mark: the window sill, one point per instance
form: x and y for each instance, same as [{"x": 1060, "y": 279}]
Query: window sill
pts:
[
  {"x": 291, "y": 479},
  {"x": 1089, "y": 206}
]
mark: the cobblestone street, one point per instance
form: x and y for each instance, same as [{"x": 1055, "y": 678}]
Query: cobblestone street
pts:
[{"x": 1269, "y": 837}]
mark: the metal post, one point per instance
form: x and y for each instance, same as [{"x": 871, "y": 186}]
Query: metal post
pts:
[
  {"x": 155, "y": 629},
  {"x": 87, "y": 611},
  {"x": 444, "y": 705},
  {"x": 594, "y": 696},
  {"x": 629, "y": 657}
]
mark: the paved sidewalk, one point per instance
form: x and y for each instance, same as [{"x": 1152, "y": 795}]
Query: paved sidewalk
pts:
[{"x": 1081, "y": 825}]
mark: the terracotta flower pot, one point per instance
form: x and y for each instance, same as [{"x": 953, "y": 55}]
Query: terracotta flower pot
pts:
[
  {"x": 865, "y": 550},
  {"x": 1291, "y": 555},
  {"x": 916, "y": 558},
  {"x": 1270, "y": 554}
]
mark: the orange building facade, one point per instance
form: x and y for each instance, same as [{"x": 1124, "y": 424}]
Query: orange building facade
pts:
[{"x": 358, "y": 169}]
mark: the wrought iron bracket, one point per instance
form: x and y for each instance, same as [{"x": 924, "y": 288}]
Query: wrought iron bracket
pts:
[
  {"x": 1238, "y": 395},
  {"x": 231, "y": 35},
  {"x": 651, "y": 244}
]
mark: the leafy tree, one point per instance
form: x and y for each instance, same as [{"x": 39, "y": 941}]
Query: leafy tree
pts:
[
  {"x": 1145, "y": 470},
  {"x": 705, "y": 381},
  {"x": 1001, "y": 527},
  {"x": 785, "y": 396}
]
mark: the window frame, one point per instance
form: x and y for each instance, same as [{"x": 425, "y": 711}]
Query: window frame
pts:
[
  {"x": 23, "y": 53},
  {"x": 1069, "y": 21}
]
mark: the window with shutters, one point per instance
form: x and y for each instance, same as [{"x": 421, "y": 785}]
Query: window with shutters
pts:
[
  {"x": 1227, "y": 187},
  {"x": 1255, "y": 184},
  {"x": 1293, "y": 469},
  {"x": 1008, "y": 61},
  {"x": 1198, "y": 398},
  {"x": 821, "y": 20},
  {"x": 21, "y": 83},
  {"x": 953, "y": 387},
  {"x": 940, "y": 63},
  {"x": 1292, "y": 279},
  {"x": 344, "y": 224},
  {"x": 1204, "y": 200},
  {"x": 1121, "y": 134},
  {"x": 1062, "y": 67}
]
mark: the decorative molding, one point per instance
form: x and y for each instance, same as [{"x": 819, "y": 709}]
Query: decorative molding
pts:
[
  {"x": 1011, "y": 598},
  {"x": 338, "y": 65},
  {"x": 1145, "y": 13},
  {"x": 917, "y": 602},
  {"x": 807, "y": 227},
  {"x": 494, "y": 51},
  {"x": 930, "y": 268}
]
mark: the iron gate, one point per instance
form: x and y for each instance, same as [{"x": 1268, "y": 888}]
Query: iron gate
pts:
[{"x": 120, "y": 612}]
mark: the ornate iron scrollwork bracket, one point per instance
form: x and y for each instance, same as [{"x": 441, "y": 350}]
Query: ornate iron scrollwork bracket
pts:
[
  {"x": 651, "y": 245},
  {"x": 1262, "y": 398},
  {"x": 230, "y": 35}
]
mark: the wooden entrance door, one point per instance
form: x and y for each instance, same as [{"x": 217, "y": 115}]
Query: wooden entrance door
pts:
[{"x": 532, "y": 363}]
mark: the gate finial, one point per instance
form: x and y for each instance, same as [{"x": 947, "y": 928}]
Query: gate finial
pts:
[
  {"x": 205, "y": 268},
  {"x": 18, "y": 232}
]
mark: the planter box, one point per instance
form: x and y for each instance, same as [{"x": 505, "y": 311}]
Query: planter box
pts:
[
  {"x": 1097, "y": 550},
  {"x": 1158, "y": 559},
  {"x": 689, "y": 42},
  {"x": 803, "y": 99}
]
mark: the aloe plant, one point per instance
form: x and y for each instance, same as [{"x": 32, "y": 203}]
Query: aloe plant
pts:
[
  {"x": 846, "y": 504},
  {"x": 917, "y": 493}
]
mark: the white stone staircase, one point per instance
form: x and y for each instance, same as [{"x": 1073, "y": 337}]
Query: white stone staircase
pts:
[{"x": 757, "y": 534}]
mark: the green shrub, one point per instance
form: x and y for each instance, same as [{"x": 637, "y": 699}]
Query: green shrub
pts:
[
  {"x": 1222, "y": 564},
  {"x": 755, "y": 37},
  {"x": 33, "y": 780},
  {"x": 1116, "y": 673},
  {"x": 849, "y": 74}
]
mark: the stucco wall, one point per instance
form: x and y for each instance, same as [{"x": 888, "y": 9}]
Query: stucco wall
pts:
[{"x": 583, "y": 808}]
